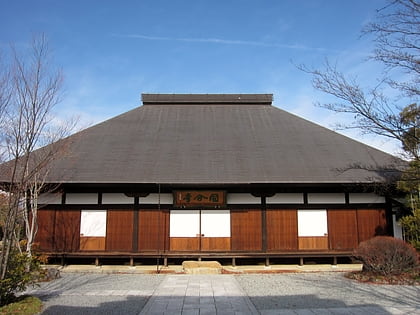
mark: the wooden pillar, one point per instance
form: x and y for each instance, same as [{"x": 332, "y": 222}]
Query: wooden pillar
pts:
[
  {"x": 54, "y": 245},
  {"x": 135, "y": 238},
  {"x": 389, "y": 220},
  {"x": 264, "y": 223}
]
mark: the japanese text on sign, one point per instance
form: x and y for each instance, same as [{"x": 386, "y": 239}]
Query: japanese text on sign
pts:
[{"x": 194, "y": 198}]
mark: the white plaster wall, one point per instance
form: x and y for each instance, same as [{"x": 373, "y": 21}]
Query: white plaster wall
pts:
[
  {"x": 286, "y": 198},
  {"x": 154, "y": 199},
  {"x": 82, "y": 199},
  {"x": 50, "y": 199},
  {"x": 110, "y": 198},
  {"x": 398, "y": 233},
  {"x": 243, "y": 199},
  {"x": 319, "y": 198},
  {"x": 365, "y": 198}
]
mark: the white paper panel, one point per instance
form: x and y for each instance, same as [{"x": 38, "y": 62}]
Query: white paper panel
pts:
[
  {"x": 184, "y": 223},
  {"x": 312, "y": 223},
  {"x": 215, "y": 223},
  {"x": 93, "y": 223}
]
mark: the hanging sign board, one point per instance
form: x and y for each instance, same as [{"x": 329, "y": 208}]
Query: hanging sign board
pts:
[{"x": 199, "y": 198}]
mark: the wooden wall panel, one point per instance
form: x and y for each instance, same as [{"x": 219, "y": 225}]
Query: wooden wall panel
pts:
[
  {"x": 371, "y": 222},
  {"x": 215, "y": 243},
  {"x": 246, "y": 230},
  {"x": 92, "y": 243},
  {"x": 342, "y": 229},
  {"x": 67, "y": 231},
  {"x": 184, "y": 244},
  {"x": 119, "y": 230},
  {"x": 153, "y": 230},
  {"x": 281, "y": 230},
  {"x": 46, "y": 227},
  {"x": 313, "y": 242}
]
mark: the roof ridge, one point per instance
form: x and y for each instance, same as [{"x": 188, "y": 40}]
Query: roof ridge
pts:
[{"x": 160, "y": 99}]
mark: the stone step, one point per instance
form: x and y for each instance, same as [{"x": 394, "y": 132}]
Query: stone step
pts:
[{"x": 202, "y": 267}]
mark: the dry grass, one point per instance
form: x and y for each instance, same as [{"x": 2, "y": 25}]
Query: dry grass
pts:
[{"x": 25, "y": 305}]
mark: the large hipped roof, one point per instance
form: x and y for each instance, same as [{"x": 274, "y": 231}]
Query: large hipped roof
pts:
[{"x": 213, "y": 139}]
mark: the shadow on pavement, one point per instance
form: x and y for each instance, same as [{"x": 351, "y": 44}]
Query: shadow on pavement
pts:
[
  {"x": 129, "y": 305},
  {"x": 206, "y": 305}
]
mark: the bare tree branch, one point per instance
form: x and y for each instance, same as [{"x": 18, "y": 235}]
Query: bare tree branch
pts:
[
  {"x": 27, "y": 124},
  {"x": 396, "y": 35},
  {"x": 397, "y": 38}
]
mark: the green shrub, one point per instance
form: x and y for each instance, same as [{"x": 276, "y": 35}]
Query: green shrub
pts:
[
  {"x": 18, "y": 277},
  {"x": 386, "y": 255}
]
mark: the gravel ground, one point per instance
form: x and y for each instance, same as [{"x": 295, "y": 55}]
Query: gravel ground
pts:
[
  {"x": 323, "y": 290},
  {"x": 100, "y": 294}
]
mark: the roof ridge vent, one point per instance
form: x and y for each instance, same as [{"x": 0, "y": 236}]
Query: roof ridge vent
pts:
[{"x": 195, "y": 99}]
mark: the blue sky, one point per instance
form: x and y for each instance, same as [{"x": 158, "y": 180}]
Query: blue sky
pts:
[{"x": 112, "y": 51}]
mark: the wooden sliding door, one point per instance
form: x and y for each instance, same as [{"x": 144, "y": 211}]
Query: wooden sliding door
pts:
[
  {"x": 199, "y": 230},
  {"x": 312, "y": 229},
  {"x": 93, "y": 229}
]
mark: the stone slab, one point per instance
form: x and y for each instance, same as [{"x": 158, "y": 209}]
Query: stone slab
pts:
[{"x": 202, "y": 267}]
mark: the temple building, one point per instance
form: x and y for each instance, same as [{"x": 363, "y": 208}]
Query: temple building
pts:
[{"x": 209, "y": 176}]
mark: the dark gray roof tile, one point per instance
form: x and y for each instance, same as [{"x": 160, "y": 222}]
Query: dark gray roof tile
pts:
[{"x": 204, "y": 140}]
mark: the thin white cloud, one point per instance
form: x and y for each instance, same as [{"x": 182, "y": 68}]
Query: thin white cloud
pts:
[{"x": 219, "y": 41}]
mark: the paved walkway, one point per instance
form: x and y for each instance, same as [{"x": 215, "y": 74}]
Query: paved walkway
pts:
[
  {"x": 222, "y": 295},
  {"x": 302, "y": 294},
  {"x": 199, "y": 294}
]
